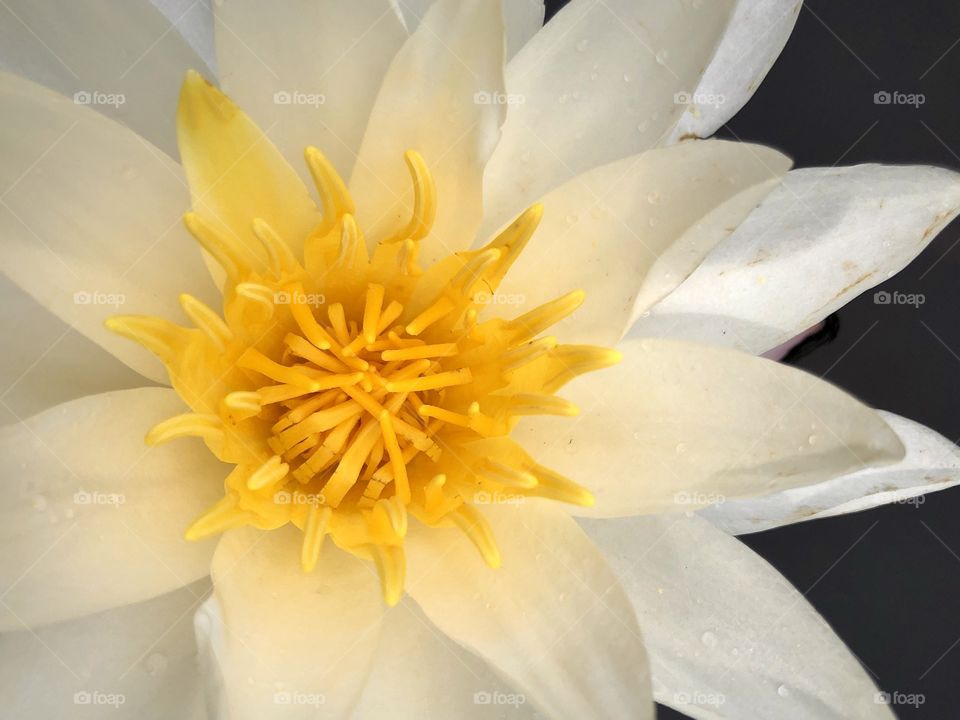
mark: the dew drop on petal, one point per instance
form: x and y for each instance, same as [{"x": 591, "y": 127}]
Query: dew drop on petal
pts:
[
  {"x": 783, "y": 691},
  {"x": 39, "y": 503},
  {"x": 709, "y": 639},
  {"x": 662, "y": 57}
]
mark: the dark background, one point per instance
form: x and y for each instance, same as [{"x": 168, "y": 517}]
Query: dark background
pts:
[{"x": 887, "y": 580}]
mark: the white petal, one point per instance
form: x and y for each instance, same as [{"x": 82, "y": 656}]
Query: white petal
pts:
[
  {"x": 125, "y": 60},
  {"x": 595, "y": 85},
  {"x": 754, "y": 38},
  {"x": 676, "y": 426},
  {"x": 307, "y": 71},
  {"x": 292, "y": 644},
  {"x": 553, "y": 619},
  {"x": 134, "y": 662},
  {"x": 819, "y": 240},
  {"x": 50, "y": 362},
  {"x": 91, "y": 218},
  {"x": 194, "y": 20},
  {"x": 630, "y": 231},
  {"x": 91, "y": 518},
  {"x": 441, "y": 98},
  {"x": 428, "y": 675},
  {"x": 522, "y": 19},
  {"x": 932, "y": 463},
  {"x": 729, "y": 637}
]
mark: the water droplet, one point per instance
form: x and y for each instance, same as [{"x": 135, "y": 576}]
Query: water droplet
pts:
[
  {"x": 582, "y": 45},
  {"x": 783, "y": 691},
  {"x": 812, "y": 440},
  {"x": 662, "y": 57},
  {"x": 653, "y": 222},
  {"x": 571, "y": 219},
  {"x": 129, "y": 173},
  {"x": 642, "y": 127},
  {"x": 638, "y": 435},
  {"x": 626, "y": 77},
  {"x": 653, "y": 198},
  {"x": 709, "y": 639},
  {"x": 593, "y": 76},
  {"x": 39, "y": 503},
  {"x": 562, "y": 99},
  {"x": 681, "y": 448},
  {"x": 156, "y": 663}
]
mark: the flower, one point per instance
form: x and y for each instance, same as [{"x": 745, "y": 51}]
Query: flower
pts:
[{"x": 368, "y": 364}]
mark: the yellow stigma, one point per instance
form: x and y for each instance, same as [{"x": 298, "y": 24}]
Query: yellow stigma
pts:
[{"x": 352, "y": 389}]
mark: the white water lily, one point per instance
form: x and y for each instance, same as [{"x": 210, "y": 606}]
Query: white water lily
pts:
[{"x": 343, "y": 384}]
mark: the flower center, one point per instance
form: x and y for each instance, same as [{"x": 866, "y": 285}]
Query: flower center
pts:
[{"x": 351, "y": 390}]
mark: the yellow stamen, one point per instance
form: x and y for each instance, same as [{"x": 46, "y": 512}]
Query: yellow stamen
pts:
[{"x": 351, "y": 390}]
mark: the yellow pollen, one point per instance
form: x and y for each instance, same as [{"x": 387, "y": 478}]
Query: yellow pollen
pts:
[{"x": 350, "y": 389}]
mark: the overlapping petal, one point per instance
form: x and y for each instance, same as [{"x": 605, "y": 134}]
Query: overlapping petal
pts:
[
  {"x": 308, "y": 71},
  {"x": 90, "y": 518},
  {"x": 822, "y": 238},
  {"x": 629, "y": 232},
  {"x": 932, "y": 463},
  {"x": 284, "y": 643},
  {"x": 676, "y": 426},
  {"x": 728, "y": 636},
  {"x": 553, "y": 619},
  {"x": 91, "y": 218}
]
